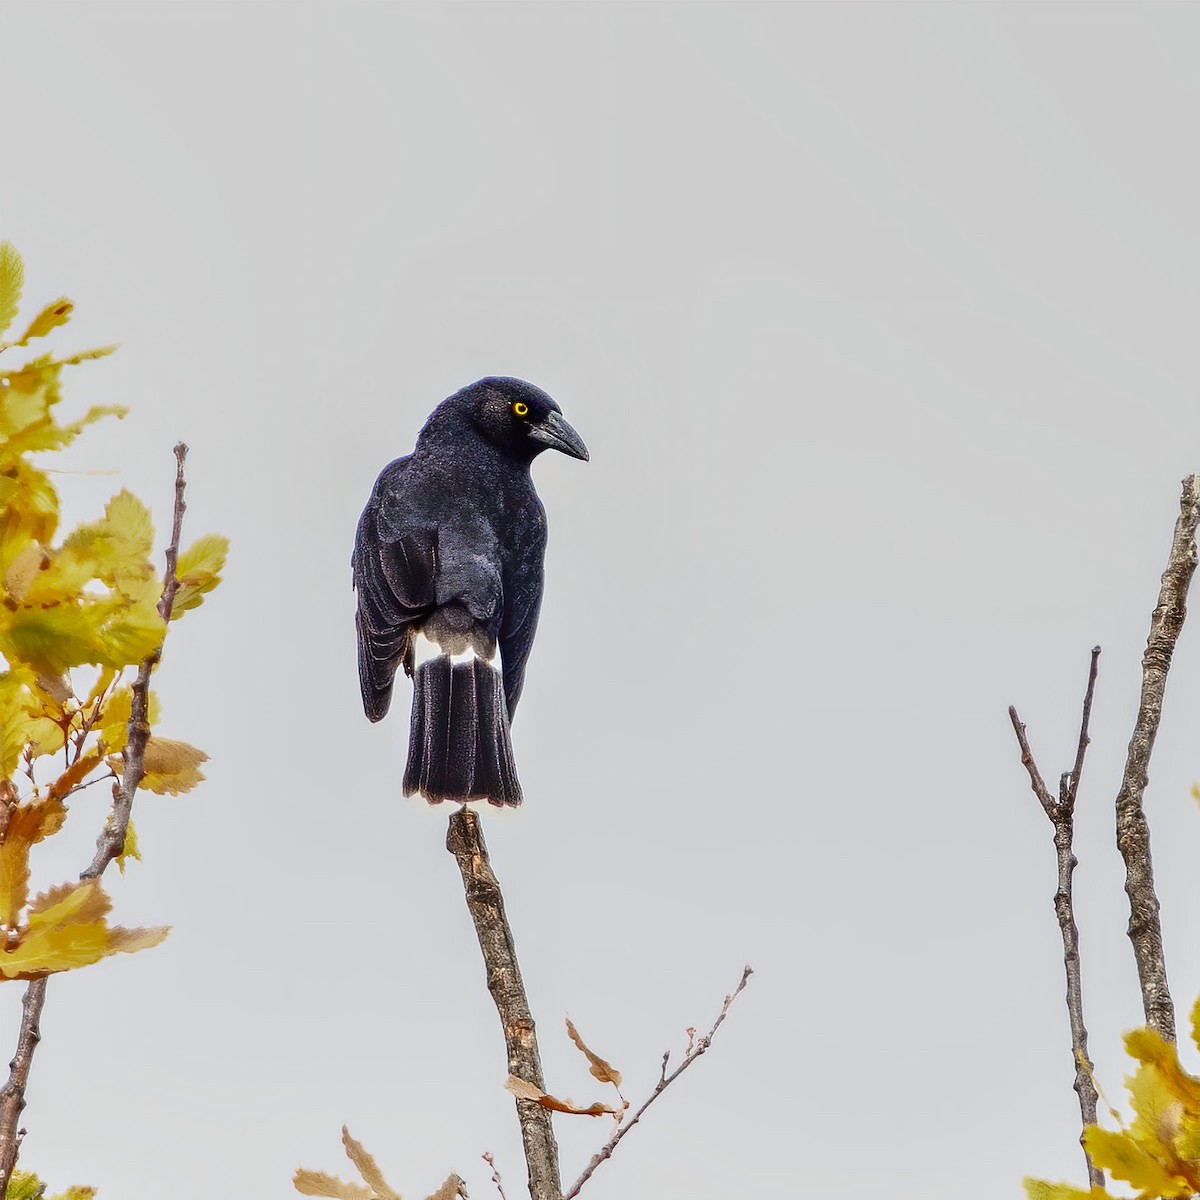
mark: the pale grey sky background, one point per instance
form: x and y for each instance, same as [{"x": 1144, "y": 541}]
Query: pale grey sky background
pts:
[{"x": 880, "y": 323}]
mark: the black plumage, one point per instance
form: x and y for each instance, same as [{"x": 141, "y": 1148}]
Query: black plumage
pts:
[{"x": 448, "y": 568}]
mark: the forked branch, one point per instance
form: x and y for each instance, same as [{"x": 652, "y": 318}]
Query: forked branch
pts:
[
  {"x": 694, "y": 1051},
  {"x": 1061, "y": 813}
]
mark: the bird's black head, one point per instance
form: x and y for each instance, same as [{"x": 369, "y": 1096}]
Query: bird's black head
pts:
[{"x": 518, "y": 417}]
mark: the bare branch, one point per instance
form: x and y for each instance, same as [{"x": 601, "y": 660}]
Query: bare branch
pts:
[
  {"x": 1084, "y": 738},
  {"x": 1047, "y": 801},
  {"x": 695, "y": 1050},
  {"x": 108, "y": 846},
  {"x": 1133, "y": 833},
  {"x": 464, "y": 839},
  {"x": 1062, "y": 817},
  {"x": 12, "y": 1095},
  {"x": 491, "y": 1162}
]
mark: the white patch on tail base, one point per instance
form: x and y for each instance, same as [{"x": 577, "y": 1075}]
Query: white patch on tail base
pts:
[{"x": 425, "y": 649}]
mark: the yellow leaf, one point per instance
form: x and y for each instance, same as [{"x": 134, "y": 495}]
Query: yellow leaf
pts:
[
  {"x": 114, "y": 721},
  {"x": 86, "y": 355},
  {"x": 51, "y": 317},
  {"x": 23, "y": 570},
  {"x": 27, "y": 824},
  {"x": 126, "y": 941},
  {"x": 199, "y": 571},
  {"x": 131, "y": 848},
  {"x": 171, "y": 767},
  {"x": 22, "y": 724},
  {"x": 318, "y": 1183},
  {"x": 1124, "y": 1159},
  {"x": 1039, "y": 1189},
  {"x": 12, "y": 279},
  {"x": 524, "y": 1090},
  {"x": 130, "y": 526},
  {"x": 69, "y": 903},
  {"x": 103, "y": 681},
  {"x": 51, "y": 640},
  {"x": 1147, "y": 1046},
  {"x": 25, "y": 1185},
  {"x": 599, "y": 1068},
  {"x": 1158, "y": 1112},
  {"x": 66, "y": 930},
  {"x": 28, "y": 509},
  {"x": 75, "y": 1193},
  {"x": 367, "y": 1168}
]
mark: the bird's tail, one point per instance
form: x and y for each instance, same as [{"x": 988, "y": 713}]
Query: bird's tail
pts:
[{"x": 459, "y": 746}]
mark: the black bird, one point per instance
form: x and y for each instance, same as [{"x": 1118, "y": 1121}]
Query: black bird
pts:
[{"x": 448, "y": 567}]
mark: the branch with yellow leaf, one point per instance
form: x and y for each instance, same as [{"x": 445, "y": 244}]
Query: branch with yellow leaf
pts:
[
  {"x": 94, "y": 603},
  {"x": 1158, "y": 1152}
]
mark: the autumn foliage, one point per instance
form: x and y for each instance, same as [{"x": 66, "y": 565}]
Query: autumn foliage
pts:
[
  {"x": 82, "y": 612},
  {"x": 1157, "y": 1152}
]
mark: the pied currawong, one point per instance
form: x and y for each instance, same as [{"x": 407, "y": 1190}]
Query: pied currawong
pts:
[{"x": 448, "y": 568}]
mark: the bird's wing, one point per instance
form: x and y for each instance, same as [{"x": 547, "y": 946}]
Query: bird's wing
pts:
[
  {"x": 515, "y": 643},
  {"x": 394, "y": 568}
]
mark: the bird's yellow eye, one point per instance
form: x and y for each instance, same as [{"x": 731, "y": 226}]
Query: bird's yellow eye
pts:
[{"x": 520, "y": 408}]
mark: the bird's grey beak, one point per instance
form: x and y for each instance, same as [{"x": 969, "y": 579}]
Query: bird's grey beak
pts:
[{"x": 556, "y": 432}]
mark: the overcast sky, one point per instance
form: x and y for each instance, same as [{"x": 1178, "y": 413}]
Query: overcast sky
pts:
[{"x": 880, "y": 324}]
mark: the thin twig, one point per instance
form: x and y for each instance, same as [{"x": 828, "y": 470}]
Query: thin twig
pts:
[
  {"x": 1062, "y": 817},
  {"x": 491, "y": 1162},
  {"x": 111, "y": 841},
  {"x": 695, "y": 1050},
  {"x": 1133, "y": 833},
  {"x": 464, "y": 839},
  {"x": 108, "y": 846}
]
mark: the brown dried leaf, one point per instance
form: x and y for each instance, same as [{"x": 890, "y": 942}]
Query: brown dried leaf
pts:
[
  {"x": 452, "y": 1189},
  {"x": 317, "y": 1183},
  {"x": 367, "y": 1168},
  {"x": 524, "y": 1090},
  {"x": 601, "y": 1070}
]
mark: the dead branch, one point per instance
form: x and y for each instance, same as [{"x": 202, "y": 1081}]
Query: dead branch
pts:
[
  {"x": 1062, "y": 816},
  {"x": 464, "y": 839},
  {"x": 1133, "y": 833},
  {"x": 109, "y": 845},
  {"x": 694, "y": 1051}
]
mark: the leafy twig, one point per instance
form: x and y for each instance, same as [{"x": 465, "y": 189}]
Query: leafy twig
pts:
[
  {"x": 1133, "y": 833},
  {"x": 108, "y": 846},
  {"x": 111, "y": 841},
  {"x": 1062, "y": 816},
  {"x": 464, "y": 839},
  {"x": 695, "y": 1050}
]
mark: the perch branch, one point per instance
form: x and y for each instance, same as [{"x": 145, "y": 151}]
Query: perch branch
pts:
[
  {"x": 464, "y": 839},
  {"x": 1062, "y": 816},
  {"x": 110, "y": 844},
  {"x": 1133, "y": 833},
  {"x": 695, "y": 1050}
]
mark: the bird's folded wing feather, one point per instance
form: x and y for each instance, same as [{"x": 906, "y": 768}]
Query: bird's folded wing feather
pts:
[{"x": 394, "y": 572}]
